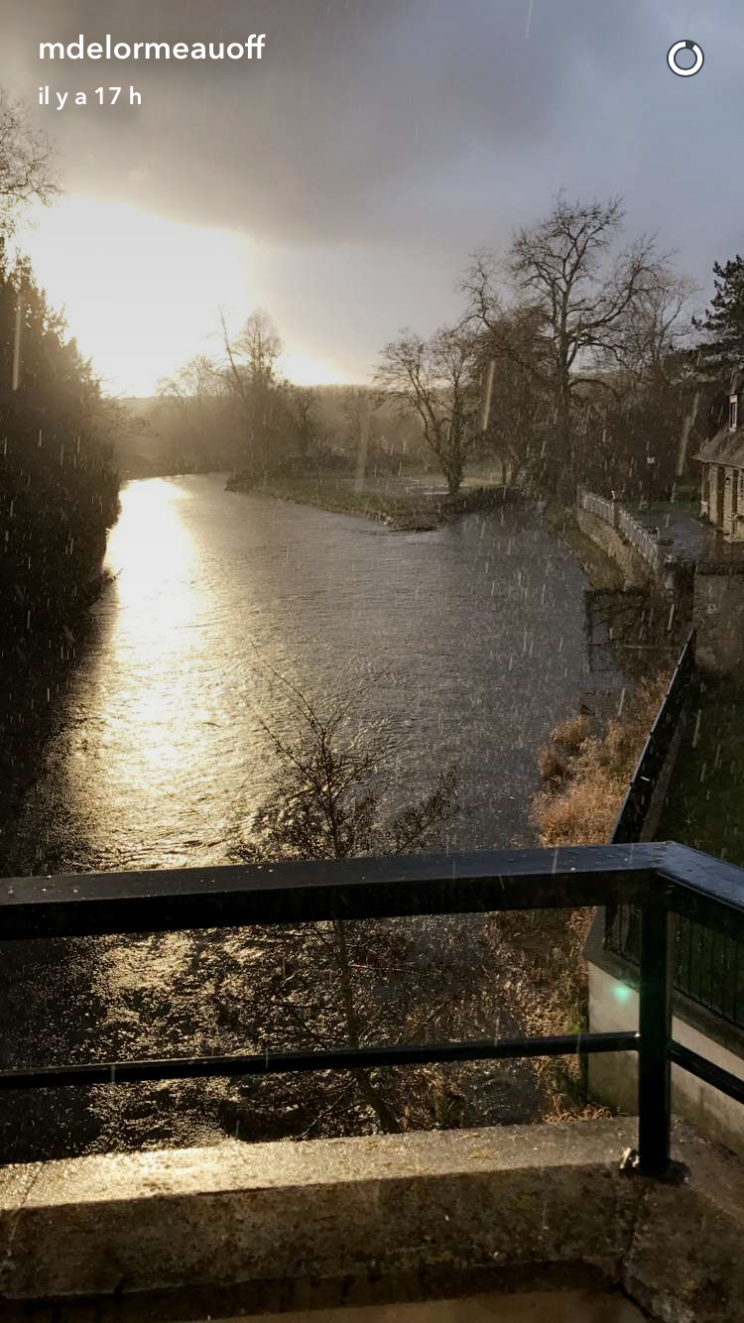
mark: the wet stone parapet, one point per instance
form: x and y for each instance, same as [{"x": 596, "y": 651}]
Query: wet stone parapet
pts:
[
  {"x": 719, "y": 618},
  {"x": 170, "y": 1235},
  {"x": 635, "y": 570}
]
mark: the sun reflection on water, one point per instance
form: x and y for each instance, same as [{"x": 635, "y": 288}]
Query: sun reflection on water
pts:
[
  {"x": 155, "y": 687},
  {"x": 152, "y": 554}
]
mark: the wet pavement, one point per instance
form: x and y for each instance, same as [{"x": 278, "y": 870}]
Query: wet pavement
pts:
[{"x": 682, "y": 535}]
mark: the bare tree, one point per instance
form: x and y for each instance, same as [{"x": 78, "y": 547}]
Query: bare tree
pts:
[
  {"x": 359, "y": 404},
  {"x": 257, "y": 346},
  {"x": 567, "y": 268},
  {"x": 516, "y": 407},
  {"x": 26, "y": 163},
  {"x": 438, "y": 379},
  {"x": 196, "y": 415},
  {"x": 329, "y": 802},
  {"x": 300, "y": 403},
  {"x": 656, "y": 328},
  {"x": 250, "y": 368}
]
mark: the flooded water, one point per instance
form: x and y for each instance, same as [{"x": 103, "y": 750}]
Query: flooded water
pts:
[{"x": 475, "y": 634}]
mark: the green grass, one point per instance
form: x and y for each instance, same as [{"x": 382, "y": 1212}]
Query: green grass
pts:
[
  {"x": 328, "y": 494},
  {"x": 686, "y": 501},
  {"x": 706, "y": 797},
  {"x": 402, "y": 511}
]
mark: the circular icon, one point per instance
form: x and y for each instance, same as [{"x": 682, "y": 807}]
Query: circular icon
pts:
[{"x": 674, "y": 51}]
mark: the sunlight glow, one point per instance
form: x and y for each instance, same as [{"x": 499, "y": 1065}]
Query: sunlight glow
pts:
[
  {"x": 304, "y": 370},
  {"x": 142, "y": 294}
]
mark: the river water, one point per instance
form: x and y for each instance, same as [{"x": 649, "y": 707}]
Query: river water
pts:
[{"x": 473, "y": 636}]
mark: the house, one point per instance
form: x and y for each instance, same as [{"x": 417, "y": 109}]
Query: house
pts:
[{"x": 722, "y": 458}]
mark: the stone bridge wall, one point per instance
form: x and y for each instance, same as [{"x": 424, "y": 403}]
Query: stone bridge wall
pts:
[
  {"x": 635, "y": 570},
  {"x": 718, "y": 613}
]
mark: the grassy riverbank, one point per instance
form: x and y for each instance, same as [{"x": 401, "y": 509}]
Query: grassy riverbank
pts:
[{"x": 414, "y": 504}]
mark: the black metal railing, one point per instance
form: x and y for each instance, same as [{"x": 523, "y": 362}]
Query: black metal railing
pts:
[
  {"x": 622, "y": 923},
  {"x": 680, "y": 693},
  {"x": 661, "y": 881},
  {"x": 706, "y": 967}
]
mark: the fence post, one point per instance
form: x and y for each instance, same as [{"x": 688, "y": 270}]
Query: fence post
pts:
[{"x": 655, "y": 1025}]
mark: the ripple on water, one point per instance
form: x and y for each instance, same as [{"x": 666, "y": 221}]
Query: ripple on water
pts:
[{"x": 478, "y": 629}]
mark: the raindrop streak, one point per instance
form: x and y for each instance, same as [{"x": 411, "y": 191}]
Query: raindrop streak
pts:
[{"x": 17, "y": 345}]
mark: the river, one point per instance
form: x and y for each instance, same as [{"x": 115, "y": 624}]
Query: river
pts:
[
  {"x": 473, "y": 635},
  {"x": 472, "y": 640}
]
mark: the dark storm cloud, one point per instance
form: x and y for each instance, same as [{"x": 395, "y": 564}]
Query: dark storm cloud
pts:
[
  {"x": 353, "y": 100},
  {"x": 415, "y": 130},
  {"x": 350, "y": 100}
]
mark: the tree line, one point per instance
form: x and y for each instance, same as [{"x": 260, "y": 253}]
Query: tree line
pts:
[
  {"x": 236, "y": 411},
  {"x": 58, "y": 484},
  {"x": 578, "y": 357}
]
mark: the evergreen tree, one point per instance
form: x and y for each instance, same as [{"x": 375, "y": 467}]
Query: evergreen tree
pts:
[
  {"x": 58, "y": 487},
  {"x": 721, "y": 352}
]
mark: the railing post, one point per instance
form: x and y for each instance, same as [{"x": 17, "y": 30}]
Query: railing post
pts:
[{"x": 655, "y": 1025}]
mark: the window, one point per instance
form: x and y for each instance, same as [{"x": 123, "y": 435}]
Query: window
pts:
[{"x": 733, "y": 412}]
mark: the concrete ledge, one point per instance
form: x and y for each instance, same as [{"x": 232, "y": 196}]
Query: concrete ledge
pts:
[{"x": 226, "y": 1230}]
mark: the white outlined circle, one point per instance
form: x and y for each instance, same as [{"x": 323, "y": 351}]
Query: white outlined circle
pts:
[{"x": 673, "y": 52}]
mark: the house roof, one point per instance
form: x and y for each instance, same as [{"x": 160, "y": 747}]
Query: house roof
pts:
[{"x": 725, "y": 448}]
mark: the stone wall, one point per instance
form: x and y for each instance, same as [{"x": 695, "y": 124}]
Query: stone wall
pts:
[
  {"x": 635, "y": 570},
  {"x": 717, "y": 591},
  {"x": 718, "y": 617}
]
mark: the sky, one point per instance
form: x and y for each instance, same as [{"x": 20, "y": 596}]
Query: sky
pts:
[{"x": 344, "y": 179}]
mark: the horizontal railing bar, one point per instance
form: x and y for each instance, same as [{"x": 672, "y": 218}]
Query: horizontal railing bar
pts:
[
  {"x": 699, "y": 887},
  {"x": 231, "y": 896},
  {"x": 706, "y": 890},
  {"x": 362, "y": 1058},
  {"x": 696, "y": 1065}
]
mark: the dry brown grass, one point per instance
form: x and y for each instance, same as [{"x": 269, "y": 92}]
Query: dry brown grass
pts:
[
  {"x": 572, "y": 732},
  {"x": 553, "y": 767},
  {"x": 582, "y": 808},
  {"x": 585, "y": 779}
]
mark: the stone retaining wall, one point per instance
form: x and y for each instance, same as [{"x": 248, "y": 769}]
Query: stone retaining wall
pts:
[
  {"x": 635, "y": 570},
  {"x": 718, "y": 612}
]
